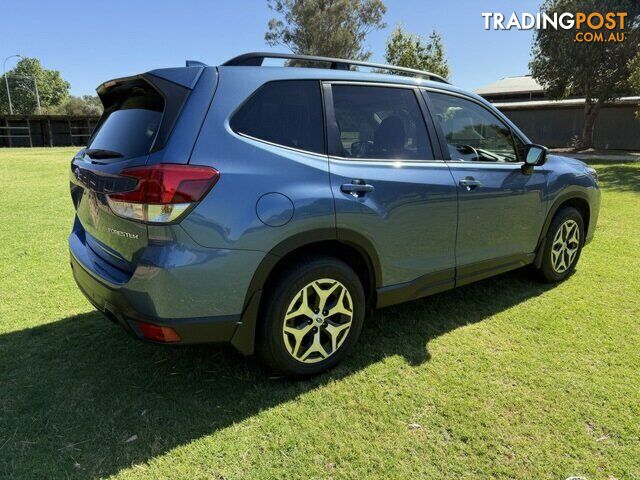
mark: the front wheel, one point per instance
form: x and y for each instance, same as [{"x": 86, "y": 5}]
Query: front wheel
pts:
[
  {"x": 562, "y": 246},
  {"x": 312, "y": 317}
]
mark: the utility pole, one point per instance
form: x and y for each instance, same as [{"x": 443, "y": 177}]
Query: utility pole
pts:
[
  {"x": 6, "y": 82},
  {"x": 35, "y": 84}
]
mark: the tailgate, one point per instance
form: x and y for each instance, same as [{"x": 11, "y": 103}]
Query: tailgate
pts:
[
  {"x": 116, "y": 240},
  {"x": 136, "y": 120}
]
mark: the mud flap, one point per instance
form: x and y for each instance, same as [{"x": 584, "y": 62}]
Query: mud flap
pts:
[{"x": 243, "y": 338}]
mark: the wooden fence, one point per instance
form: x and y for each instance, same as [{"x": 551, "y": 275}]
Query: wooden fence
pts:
[{"x": 45, "y": 130}]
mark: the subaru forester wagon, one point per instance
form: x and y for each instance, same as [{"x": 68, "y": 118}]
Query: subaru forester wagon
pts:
[{"x": 275, "y": 207}]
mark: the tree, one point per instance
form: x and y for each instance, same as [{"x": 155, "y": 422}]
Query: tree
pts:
[
  {"x": 53, "y": 89},
  {"x": 330, "y": 28},
  {"x": 634, "y": 79},
  {"x": 87, "y": 105},
  {"x": 409, "y": 50},
  {"x": 599, "y": 71}
]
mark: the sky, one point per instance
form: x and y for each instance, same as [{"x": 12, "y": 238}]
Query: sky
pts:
[{"x": 90, "y": 42}]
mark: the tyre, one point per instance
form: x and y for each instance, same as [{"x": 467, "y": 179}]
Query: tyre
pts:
[
  {"x": 562, "y": 245},
  {"x": 312, "y": 317}
]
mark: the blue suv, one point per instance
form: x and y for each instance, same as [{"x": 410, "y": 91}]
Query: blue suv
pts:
[{"x": 275, "y": 207}]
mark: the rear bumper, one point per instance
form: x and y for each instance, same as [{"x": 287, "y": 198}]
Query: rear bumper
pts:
[
  {"x": 113, "y": 303},
  {"x": 198, "y": 292}
]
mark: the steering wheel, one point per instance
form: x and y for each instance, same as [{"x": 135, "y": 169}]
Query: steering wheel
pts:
[
  {"x": 468, "y": 148},
  {"x": 360, "y": 149}
]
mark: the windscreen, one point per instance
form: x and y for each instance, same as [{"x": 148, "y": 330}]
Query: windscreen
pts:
[{"x": 130, "y": 122}]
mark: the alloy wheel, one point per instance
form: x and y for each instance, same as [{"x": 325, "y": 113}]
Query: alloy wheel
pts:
[
  {"x": 318, "y": 320},
  {"x": 565, "y": 246}
]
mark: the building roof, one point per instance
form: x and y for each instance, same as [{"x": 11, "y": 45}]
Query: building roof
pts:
[
  {"x": 566, "y": 103},
  {"x": 523, "y": 84}
]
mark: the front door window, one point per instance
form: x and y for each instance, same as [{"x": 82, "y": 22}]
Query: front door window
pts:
[{"x": 472, "y": 132}]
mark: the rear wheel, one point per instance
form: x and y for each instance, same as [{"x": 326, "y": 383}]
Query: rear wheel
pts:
[
  {"x": 562, "y": 246},
  {"x": 312, "y": 317}
]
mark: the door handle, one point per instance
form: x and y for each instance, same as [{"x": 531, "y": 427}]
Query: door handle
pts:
[
  {"x": 357, "y": 188},
  {"x": 469, "y": 183}
]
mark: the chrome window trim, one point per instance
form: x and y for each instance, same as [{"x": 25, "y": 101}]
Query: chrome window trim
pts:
[
  {"x": 266, "y": 142},
  {"x": 392, "y": 163},
  {"x": 476, "y": 163}
]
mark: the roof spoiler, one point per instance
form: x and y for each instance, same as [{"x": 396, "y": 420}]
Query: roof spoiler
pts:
[{"x": 195, "y": 63}]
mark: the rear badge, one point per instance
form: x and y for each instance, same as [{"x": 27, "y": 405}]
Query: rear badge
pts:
[{"x": 120, "y": 233}]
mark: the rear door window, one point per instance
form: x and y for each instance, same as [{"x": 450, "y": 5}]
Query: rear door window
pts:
[
  {"x": 380, "y": 123},
  {"x": 287, "y": 113},
  {"x": 130, "y": 122}
]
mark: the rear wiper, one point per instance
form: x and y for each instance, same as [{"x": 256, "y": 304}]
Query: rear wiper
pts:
[{"x": 99, "y": 153}]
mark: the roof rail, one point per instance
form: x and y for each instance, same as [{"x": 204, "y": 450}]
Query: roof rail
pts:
[{"x": 255, "y": 59}]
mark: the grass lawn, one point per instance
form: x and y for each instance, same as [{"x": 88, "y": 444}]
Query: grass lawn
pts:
[{"x": 506, "y": 378}]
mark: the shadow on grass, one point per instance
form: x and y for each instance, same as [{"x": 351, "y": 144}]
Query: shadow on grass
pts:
[
  {"x": 623, "y": 178},
  {"x": 73, "y": 392}
]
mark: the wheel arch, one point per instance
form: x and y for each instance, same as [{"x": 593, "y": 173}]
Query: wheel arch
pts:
[
  {"x": 347, "y": 245},
  {"x": 575, "y": 199}
]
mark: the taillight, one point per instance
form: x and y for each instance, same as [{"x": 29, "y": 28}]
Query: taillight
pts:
[{"x": 163, "y": 192}]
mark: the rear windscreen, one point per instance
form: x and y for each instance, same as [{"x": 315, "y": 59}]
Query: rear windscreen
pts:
[{"x": 130, "y": 121}]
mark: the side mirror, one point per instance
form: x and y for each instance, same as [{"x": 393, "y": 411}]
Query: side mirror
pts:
[{"x": 534, "y": 155}]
